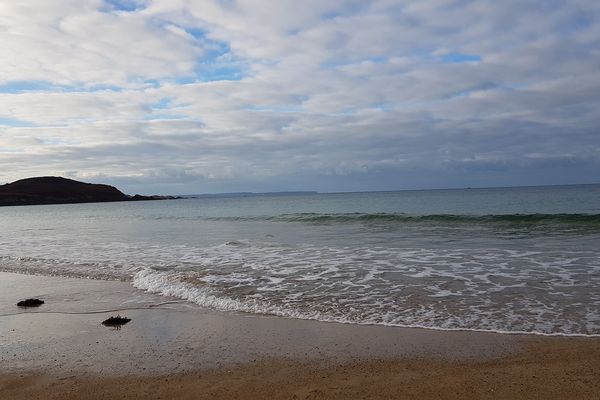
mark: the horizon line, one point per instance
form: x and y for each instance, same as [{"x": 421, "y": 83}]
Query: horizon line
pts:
[{"x": 313, "y": 192}]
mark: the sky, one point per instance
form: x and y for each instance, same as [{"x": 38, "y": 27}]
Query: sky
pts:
[{"x": 205, "y": 96}]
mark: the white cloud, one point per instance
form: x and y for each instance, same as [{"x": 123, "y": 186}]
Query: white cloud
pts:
[
  {"x": 74, "y": 42},
  {"x": 235, "y": 91}
]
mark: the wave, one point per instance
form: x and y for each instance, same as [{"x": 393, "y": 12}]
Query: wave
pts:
[
  {"x": 494, "y": 290},
  {"x": 515, "y": 219},
  {"x": 172, "y": 285},
  {"x": 456, "y": 218},
  {"x": 540, "y": 290}
]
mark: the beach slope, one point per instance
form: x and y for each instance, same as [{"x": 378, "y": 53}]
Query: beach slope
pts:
[{"x": 177, "y": 350}]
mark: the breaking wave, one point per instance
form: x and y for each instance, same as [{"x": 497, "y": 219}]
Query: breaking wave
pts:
[
  {"x": 487, "y": 289},
  {"x": 592, "y": 220}
]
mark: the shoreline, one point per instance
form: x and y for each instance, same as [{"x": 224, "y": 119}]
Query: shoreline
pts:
[
  {"x": 161, "y": 298},
  {"x": 61, "y": 349}
]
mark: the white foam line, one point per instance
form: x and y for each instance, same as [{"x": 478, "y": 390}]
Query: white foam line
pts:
[{"x": 160, "y": 283}]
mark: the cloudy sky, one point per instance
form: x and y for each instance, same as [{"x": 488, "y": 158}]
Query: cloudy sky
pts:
[{"x": 197, "y": 96}]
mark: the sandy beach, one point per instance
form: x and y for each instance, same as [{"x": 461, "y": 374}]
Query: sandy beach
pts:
[
  {"x": 173, "y": 349},
  {"x": 251, "y": 199}
]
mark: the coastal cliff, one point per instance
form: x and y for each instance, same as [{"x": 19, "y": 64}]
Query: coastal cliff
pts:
[{"x": 58, "y": 190}]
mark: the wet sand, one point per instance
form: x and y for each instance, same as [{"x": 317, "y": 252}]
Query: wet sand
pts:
[{"x": 177, "y": 350}]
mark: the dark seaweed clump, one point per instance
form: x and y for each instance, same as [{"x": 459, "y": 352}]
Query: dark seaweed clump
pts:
[
  {"x": 116, "y": 321},
  {"x": 30, "y": 303}
]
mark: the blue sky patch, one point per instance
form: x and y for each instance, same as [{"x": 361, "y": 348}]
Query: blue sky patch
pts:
[
  {"x": 154, "y": 117},
  {"x": 16, "y": 87},
  {"x": 453, "y": 58},
  {"x": 15, "y": 123},
  {"x": 209, "y": 73},
  {"x": 214, "y": 50},
  {"x": 125, "y": 5},
  {"x": 162, "y": 104},
  {"x": 196, "y": 32},
  {"x": 25, "y": 86}
]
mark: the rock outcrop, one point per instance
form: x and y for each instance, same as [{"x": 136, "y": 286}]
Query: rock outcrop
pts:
[{"x": 58, "y": 190}]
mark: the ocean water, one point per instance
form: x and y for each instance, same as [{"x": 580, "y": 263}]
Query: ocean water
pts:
[{"x": 503, "y": 259}]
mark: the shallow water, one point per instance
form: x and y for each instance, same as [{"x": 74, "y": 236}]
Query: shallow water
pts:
[{"x": 510, "y": 260}]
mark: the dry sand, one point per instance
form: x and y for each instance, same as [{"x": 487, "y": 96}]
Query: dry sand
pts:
[{"x": 177, "y": 350}]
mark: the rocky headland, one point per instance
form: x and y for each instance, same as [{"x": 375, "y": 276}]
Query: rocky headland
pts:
[{"x": 58, "y": 190}]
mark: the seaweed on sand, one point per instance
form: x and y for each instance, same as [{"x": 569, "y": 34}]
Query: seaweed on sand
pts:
[
  {"x": 116, "y": 321},
  {"x": 30, "y": 303}
]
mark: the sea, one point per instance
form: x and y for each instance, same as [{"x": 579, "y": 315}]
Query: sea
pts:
[{"x": 511, "y": 260}]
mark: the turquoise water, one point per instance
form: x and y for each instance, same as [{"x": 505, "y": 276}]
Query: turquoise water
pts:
[{"x": 504, "y": 259}]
